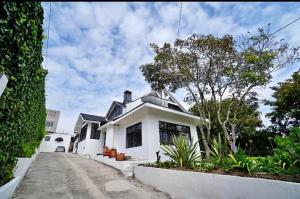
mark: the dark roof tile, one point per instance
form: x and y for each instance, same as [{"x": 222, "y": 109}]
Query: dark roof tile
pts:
[{"x": 95, "y": 118}]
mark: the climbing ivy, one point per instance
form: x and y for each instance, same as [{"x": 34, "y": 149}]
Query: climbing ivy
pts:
[{"x": 22, "y": 104}]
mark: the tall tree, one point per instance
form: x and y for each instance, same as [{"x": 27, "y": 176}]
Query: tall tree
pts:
[
  {"x": 286, "y": 106},
  {"x": 214, "y": 69},
  {"x": 247, "y": 117}
]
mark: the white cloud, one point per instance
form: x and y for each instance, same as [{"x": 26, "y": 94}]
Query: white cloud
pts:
[{"x": 95, "y": 49}]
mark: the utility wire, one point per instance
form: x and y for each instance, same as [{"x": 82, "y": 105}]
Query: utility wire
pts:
[
  {"x": 49, "y": 20},
  {"x": 284, "y": 26},
  {"x": 179, "y": 20}
]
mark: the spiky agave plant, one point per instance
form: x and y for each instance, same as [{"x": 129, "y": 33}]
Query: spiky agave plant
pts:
[{"x": 183, "y": 153}]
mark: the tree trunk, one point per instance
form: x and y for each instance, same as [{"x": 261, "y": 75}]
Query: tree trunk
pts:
[
  {"x": 206, "y": 147},
  {"x": 233, "y": 135},
  {"x": 223, "y": 124}
]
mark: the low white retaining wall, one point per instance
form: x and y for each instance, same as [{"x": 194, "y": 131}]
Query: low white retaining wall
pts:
[
  {"x": 23, "y": 164},
  {"x": 186, "y": 184},
  {"x": 7, "y": 190}
]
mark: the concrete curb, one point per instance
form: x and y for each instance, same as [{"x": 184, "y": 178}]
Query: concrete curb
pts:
[{"x": 187, "y": 184}]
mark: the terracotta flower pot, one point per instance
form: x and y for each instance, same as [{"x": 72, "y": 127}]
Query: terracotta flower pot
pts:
[
  {"x": 113, "y": 153},
  {"x": 106, "y": 151},
  {"x": 120, "y": 156}
]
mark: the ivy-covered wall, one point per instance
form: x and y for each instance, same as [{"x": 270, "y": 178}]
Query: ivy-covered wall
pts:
[{"x": 22, "y": 104}]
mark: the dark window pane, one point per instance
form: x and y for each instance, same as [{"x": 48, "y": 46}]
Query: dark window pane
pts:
[
  {"x": 83, "y": 131},
  {"x": 134, "y": 136},
  {"x": 47, "y": 138},
  {"x": 95, "y": 134},
  {"x": 167, "y": 130}
]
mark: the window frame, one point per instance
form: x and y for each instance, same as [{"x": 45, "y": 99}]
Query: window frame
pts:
[
  {"x": 80, "y": 136},
  {"x": 96, "y": 134},
  {"x": 47, "y": 140},
  {"x": 168, "y": 127},
  {"x": 127, "y": 136},
  {"x": 48, "y": 124}
]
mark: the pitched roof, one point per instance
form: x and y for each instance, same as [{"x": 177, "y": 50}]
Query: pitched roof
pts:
[
  {"x": 112, "y": 105},
  {"x": 95, "y": 118}
]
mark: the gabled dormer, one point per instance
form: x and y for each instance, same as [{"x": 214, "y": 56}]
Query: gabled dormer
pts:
[{"x": 116, "y": 109}]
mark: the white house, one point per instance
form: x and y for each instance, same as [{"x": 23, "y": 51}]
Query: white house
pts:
[
  {"x": 52, "y": 140},
  {"x": 138, "y": 127},
  {"x": 88, "y": 142},
  {"x": 52, "y": 120}
]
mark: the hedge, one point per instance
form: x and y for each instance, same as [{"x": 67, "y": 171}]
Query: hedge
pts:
[{"x": 22, "y": 104}]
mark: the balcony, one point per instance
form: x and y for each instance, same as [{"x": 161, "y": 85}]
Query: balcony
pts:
[{"x": 161, "y": 102}]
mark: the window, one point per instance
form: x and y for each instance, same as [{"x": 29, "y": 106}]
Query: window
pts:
[
  {"x": 49, "y": 124},
  {"x": 47, "y": 138},
  {"x": 166, "y": 130},
  {"x": 83, "y": 131},
  {"x": 59, "y": 139},
  {"x": 95, "y": 134},
  {"x": 174, "y": 107},
  {"x": 104, "y": 139},
  {"x": 134, "y": 135}
]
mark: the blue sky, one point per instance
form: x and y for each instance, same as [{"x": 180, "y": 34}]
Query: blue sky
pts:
[{"x": 95, "y": 49}]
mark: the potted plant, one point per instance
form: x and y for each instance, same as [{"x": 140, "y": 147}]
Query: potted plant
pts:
[
  {"x": 113, "y": 153},
  {"x": 106, "y": 151},
  {"x": 120, "y": 157}
]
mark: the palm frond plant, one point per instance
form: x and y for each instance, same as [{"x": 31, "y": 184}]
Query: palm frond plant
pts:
[
  {"x": 218, "y": 149},
  {"x": 183, "y": 153}
]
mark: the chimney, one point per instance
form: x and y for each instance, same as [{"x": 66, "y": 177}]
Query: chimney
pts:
[{"x": 127, "y": 97}]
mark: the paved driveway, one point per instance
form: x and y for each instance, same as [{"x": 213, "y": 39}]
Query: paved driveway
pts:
[{"x": 59, "y": 175}]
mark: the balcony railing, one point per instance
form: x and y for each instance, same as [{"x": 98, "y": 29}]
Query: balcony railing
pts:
[{"x": 155, "y": 100}]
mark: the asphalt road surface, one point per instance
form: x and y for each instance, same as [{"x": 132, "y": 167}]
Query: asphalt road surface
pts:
[{"x": 64, "y": 176}]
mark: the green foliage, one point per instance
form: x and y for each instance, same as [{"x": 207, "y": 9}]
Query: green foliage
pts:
[
  {"x": 285, "y": 160},
  {"x": 22, "y": 105},
  {"x": 165, "y": 164},
  {"x": 259, "y": 143},
  {"x": 211, "y": 68},
  {"x": 247, "y": 116},
  {"x": 241, "y": 161},
  {"x": 287, "y": 153},
  {"x": 219, "y": 150},
  {"x": 183, "y": 153},
  {"x": 286, "y": 107}
]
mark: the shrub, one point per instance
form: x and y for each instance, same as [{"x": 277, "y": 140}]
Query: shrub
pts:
[
  {"x": 183, "y": 153},
  {"x": 241, "y": 161},
  {"x": 287, "y": 153},
  {"x": 22, "y": 105}
]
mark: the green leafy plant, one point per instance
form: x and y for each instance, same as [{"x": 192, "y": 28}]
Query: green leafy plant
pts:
[
  {"x": 183, "y": 153},
  {"x": 218, "y": 149},
  {"x": 22, "y": 104},
  {"x": 287, "y": 152},
  {"x": 240, "y": 160}
]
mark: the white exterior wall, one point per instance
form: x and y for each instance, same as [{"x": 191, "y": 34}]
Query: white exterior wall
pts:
[
  {"x": 50, "y": 146},
  {"x": 109, "y": 140},
  {"x": 157, "y": 115},
  {"x": 139, "y": 152},
  {"x": 89, "y": 146},
  {"x": 116, "y": 135}
]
